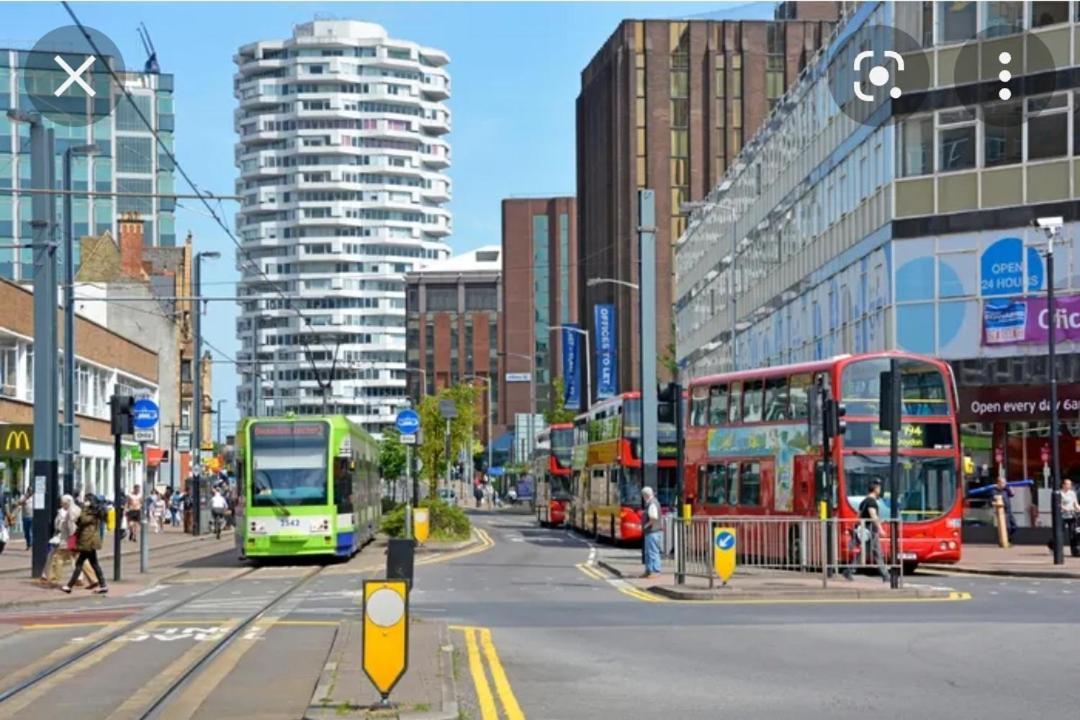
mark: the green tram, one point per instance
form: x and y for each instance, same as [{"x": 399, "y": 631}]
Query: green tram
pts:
[{"x": 307, "y": 486}]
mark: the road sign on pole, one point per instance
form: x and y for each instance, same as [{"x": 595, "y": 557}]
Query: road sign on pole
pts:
[
  {"x": 145, "y": 436},
  {"x": 408, "y": 422},
  {"x": 409, "y": 439},
  {"x": 386, "y": 634},
  {"x": 146, "y": 414}
]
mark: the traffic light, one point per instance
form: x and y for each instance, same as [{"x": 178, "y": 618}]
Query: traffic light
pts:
[
  {"x": 834, "y": 422},
  {"x": 122, "y": 412},
  {"x": 889, "y": 404}
]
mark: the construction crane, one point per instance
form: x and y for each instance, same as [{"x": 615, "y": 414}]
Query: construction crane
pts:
[{"x": 151, "y": 67}]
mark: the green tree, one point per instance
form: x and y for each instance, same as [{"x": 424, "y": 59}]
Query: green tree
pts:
[
  {"x": 391, "y": 455},
  {"x": 557, "y": 412},
  {"x": 432, "y": 450}
]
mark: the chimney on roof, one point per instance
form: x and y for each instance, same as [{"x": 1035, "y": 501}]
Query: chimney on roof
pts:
[{"x": 131, "y": 246}]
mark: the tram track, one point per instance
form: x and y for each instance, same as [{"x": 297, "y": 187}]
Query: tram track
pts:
[{"x": 37, "y": 679}]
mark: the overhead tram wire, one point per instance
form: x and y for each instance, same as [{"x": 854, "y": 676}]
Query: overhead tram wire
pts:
[{"x": 200, "y": 195}]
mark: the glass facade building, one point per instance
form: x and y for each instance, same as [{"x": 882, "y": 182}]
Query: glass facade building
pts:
[
  {"x": 909, "y": 228},
  {"x": 128, "y": 160}
]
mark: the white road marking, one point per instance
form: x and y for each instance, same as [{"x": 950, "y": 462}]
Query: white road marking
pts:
[{"x": 148, "y": 591}]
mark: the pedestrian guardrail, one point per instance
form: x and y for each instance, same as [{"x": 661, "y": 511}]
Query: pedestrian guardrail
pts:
[{"x": 804, "y": 545}]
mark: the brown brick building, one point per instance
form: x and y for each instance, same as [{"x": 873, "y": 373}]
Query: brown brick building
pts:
[
  {"x": 453, "y": 323},
  {"x": 668, "y": 105},
  {"x": 539, "y": 265}
]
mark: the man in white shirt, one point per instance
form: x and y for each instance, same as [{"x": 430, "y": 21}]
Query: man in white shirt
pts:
[{"x": 651, "y": 529}]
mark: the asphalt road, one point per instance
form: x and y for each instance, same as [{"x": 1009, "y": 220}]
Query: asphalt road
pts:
[{"x": 571, "y": 645}]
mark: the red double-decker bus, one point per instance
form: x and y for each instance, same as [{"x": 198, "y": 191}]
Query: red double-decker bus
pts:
[
  {"x": 607, "y": 467},
  {"x": 751, "y": 448},
  {"x": 551, "y": 467}
]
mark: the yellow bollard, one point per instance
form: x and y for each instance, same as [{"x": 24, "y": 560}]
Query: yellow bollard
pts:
[
  {"x": 1002, "y": 524},
  {"x": 110, "y": 521}
]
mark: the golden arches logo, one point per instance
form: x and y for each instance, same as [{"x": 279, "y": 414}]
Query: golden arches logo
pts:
[{"x": 18, "y": 440}]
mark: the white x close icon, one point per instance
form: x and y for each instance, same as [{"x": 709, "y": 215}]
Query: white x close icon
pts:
[{"x": 75, "y": 76}]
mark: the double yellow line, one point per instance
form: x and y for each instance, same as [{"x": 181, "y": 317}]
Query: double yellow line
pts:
[
  {"x": 477, "y": 639},
  {"x": 621, "y": 585},
  {"x": 486, "y": 543}
]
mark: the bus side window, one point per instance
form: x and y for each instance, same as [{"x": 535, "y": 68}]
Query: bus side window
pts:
[
  {"x": 716, "y": 484},
  {"x": 750, "y": 483},
  {"x": 735, "y": 403},
  {"x": 799, "y": 392},
  {"x": 732, "y": 484},
  {"x": 752, "y": 400},
  {"x": 699, "y": 406},
  {"x": 718, "y": 405},
  {"x": 776, "y": 399}
]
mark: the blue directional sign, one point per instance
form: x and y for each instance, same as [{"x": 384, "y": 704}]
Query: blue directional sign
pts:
[
  {"x": 146, "y": 414},
  {"x": 408, "y": 422}
]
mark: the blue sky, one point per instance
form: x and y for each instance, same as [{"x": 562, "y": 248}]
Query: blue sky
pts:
[{"x": 515, "y": 71}]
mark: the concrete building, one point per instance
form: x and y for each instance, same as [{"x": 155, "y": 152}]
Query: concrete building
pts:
[
  {"x": 539, "y": 241},
  {"x": 453, "y": 324},
  {"x": 342, "y": 165},
  {"x": 107, "y": 363},
  {"x": 910, "y": 229},
  {"x": 668, "y": 105},
  {"x": 128, "y": 160},
  {"x": 131, "y": 289}
]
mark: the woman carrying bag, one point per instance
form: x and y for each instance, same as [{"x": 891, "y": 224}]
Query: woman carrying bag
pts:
[{"x": 88, "y": 542}]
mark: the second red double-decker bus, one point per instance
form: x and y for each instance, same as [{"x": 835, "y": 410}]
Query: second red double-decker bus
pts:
[
  {"x": 752, "y": 450},
  {"x": 551, "y": 467},
  {"x": 607, "y": 467}
]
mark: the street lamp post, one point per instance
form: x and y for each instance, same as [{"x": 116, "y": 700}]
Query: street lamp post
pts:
[
  {"x": 196, "y": 405},
  {"x": 487, "y": 414},
  {"x": 69, "y": 319},
  {"x": 588, "y": 365},
  {"x": 1052, "y": 227}
]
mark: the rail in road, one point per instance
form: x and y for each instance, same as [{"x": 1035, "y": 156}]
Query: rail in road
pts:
[{"x": 154, "y": 698}]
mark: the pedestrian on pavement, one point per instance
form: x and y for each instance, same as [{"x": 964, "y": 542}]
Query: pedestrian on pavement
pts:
[
  {"x": 88, "y": 542},
  {"x": 478, "y": 494},
  {"x": 1001, "y": 488},
  {"x": 63, "y": 543},
  {"x": 175, "y": 501},
  {"x": 134, "y": 513},
  {"x": 868, "y": 531},
  {"x": 1070, "y": 511},
  {"x": 26, "y": 508},
  {"x": 652, "y": 530},
  {"x": 157, "y": 507}
]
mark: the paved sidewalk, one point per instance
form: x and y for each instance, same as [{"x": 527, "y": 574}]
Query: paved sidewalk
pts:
[
  {"x": 752, "y": 585},
  {"x": 167, "y": 560},
  {"x": 1034, "y": 561},
  {"x": 16, "y": 556},
  {"x": 427, "y": 691}
]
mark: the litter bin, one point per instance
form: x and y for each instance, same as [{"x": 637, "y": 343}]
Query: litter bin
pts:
[{"x": 399, "y": 559}]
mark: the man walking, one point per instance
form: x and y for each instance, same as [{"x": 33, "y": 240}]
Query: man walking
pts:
[
  {"x": 868, "y": 531},
  {"x": 1002, "y": 488},
  {"x": 652, "y": 530},
  {"x": 1070, "y": 512},
  {"x": 26, "y": 508}
]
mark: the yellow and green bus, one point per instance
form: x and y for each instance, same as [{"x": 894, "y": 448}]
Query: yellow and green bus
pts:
[{"x": 305, "y": 486}]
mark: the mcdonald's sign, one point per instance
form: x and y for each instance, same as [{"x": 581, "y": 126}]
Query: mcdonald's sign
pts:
[{"x": 16, "y": 441}]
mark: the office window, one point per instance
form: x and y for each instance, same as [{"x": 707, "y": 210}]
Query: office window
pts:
[
  {"x": 1048, "y": 123},
  {"x": 956, "y": 21},
  {"x": 1002, "y": 18},
  {"x": 956, "y": 140},
  {"x": 127, "y": 114},
  {"x": 1049, "y": 13},
  {"x": 441, "y": 298},
  {"x": 481, "y": 297},
  {"x": 1003, "y": 128},
  {"x": 564, "y": 268},
  {"x": 134, "y": 154},
  {"x": 917, "y": 146}
]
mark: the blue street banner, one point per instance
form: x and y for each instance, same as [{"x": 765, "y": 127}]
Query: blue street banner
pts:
[
  {"x": 571, "y": 368},
  {"x": 607, "y": 375}
]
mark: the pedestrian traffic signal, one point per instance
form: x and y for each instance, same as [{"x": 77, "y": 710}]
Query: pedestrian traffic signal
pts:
[{"x": 122, "y": 411}]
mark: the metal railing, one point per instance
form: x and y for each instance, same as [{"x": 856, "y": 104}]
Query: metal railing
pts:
[{"x": 795, "y": 544}]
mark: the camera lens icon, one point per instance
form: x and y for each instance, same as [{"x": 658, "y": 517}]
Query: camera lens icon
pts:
[{"x": 878, "y": 76}]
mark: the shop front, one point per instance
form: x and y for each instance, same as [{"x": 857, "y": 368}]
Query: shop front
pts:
[
  {"x": 1005, "y": 430},
  {"x": 16, "y": 455}
]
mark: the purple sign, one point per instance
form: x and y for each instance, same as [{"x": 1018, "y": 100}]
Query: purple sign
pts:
[{"x": 1011, "y": 322}]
